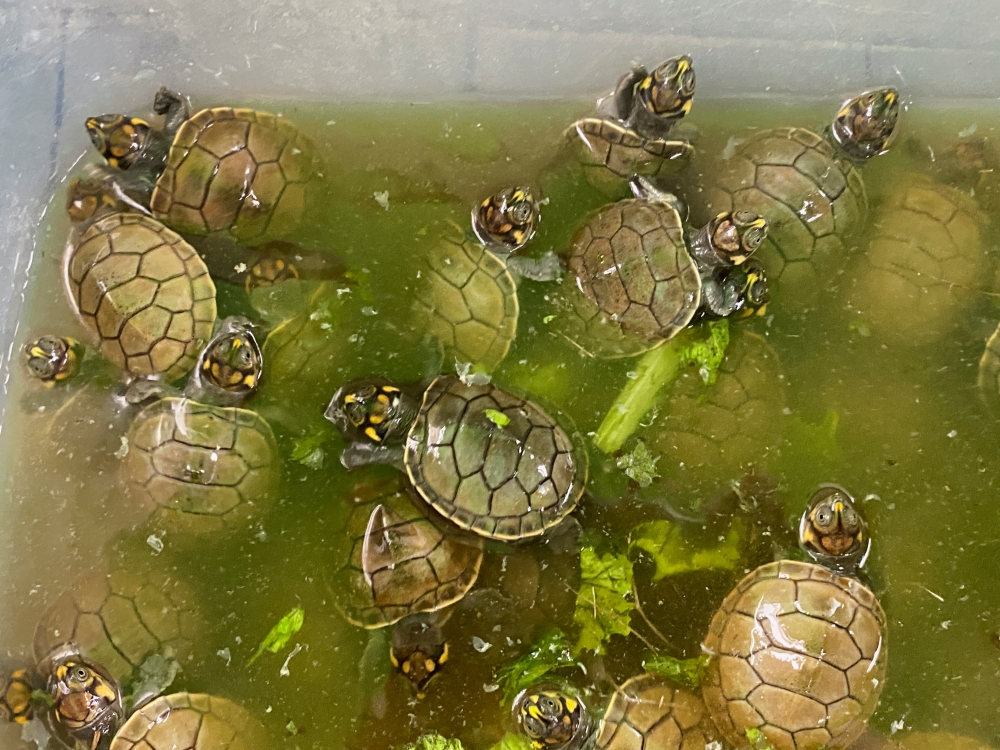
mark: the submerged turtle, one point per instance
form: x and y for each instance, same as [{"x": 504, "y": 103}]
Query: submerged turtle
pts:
[
  {"x": 797, "y": 655},
  {"x": 467, "y": 300},
  {"x": 923, "y": 264},
  {"x": 635, "y": 281},
  {"x": 87, "y": 700},
  {"x": 809, "y": 188},
  {"x": 400, "y": 567},
  {"x": 489, "y": 461},
  {"x": 627, "y": 138},
  {"x": 15, "y": 697},
  {"x": 224, "y": 170},
  {"x": 199, "y": 462},
  {"x": 186, "y": 721},
  {"x": 832, "y": 530},
  {"x": 53, "y": 359},
  {"x": 742, "y": 292}
]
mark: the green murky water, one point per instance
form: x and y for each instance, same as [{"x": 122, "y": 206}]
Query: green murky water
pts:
[{"x": 841, "y": 400}]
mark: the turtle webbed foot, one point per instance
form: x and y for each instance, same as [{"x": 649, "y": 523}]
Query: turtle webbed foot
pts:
[
  {"x": 174, "y": 106},
  {"x": 366, "y": 454}
]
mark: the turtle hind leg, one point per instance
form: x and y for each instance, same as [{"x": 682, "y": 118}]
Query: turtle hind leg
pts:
[{"x": 366, "y": 454}]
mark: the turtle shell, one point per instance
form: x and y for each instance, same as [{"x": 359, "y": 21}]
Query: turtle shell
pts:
[
  {"x": 121, "y": 619},
  {"x": 649, "y": 713},
  {"x": 399, "y": 563},
  {"x": 813, "y": 200},
  {"x": 924, "y": 263},
  {"x": 201, "y": 468},
  {"x": 235, "y": 170},
  {"x": 190, "y": 721},
  {"x": 503, "y": 482},
  {"x": 468, "y": 302},
  {"x": 631, "y": 283},
  {"x": 143, "y": 292},
  {"x": 611, "y": 153},
  {"x": 798, "y": 654}
]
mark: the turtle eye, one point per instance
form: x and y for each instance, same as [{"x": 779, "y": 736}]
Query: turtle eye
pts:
[
  {"x": 532, "y": 726},
  {"x": 850, "y": 517},
  {"x": 753, "y": 238},
  {"x": 521, "y": 212},
  {"x": 81, "y": 673},
  {"x": 824, "y": 516},
  {"x": 549, "y": 705}
]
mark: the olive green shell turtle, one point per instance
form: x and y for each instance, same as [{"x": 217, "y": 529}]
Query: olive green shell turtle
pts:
[
  {"x": 648, "y": 712},
  {"x": 798, "y": 654},
  {"x": 142, "y": 292},
  {"x": 809, "y": 189},
  {"x": 923, "y": 264},
  {"x": 489, "y": 461},
  {"x": 190, "y": 721}
]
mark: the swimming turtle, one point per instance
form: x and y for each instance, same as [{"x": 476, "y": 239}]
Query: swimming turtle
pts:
[
  {"x": 15, "y": 697},
  {"x": 225, "y": 170},
  {"x": 87, "y": 700},
  {"x": 553, "y": 717},
  {"x": 190, "y": 721},
  {"x": 797, "y": 654},
  {"x": 634, "y": 281},
  {"x": 923, "y": 263},
  {"x": 467, "y": 297},
  {"x": 627, "y": 137},
  {"x": 832, "y": 530},
  {"x": 809, "y": 188},
  {"x": 53, "y": 359},
  {"x": 399, "y": 566},
  {"x": 489, "y": 461},
  {"x": 199, "y": 462},
  {"x": 142, "y": 292}
]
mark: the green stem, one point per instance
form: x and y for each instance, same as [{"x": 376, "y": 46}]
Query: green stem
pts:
[{"x": 656, "y": 369}]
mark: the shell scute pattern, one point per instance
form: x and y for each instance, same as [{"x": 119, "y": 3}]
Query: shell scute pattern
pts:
[
  {"x": 144, "y": 293},
  {"x": 201, "y": 467},
  {"x": 234, "y": 170},
  {"x": 189, "y": 721},
  {"x": 623, "y": 152},
  {"x": 504, "y": 482},
  {"x": 799, "y": 653}
]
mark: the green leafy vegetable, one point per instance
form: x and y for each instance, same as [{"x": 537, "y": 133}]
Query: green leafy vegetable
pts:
[
  {"x": 706, "y": 350},
  {"x": 603, "y": 603},
  {"x": 757, "y": 740},
  {"x": 281, "y": 633},
  {"x": 513, "y": 741},
  {"x": 552, "y": 652},
  {"x": 656, "y": 369},
  {"x": 673, "y": 553},
  {"x": 434, "y": 742},
  {"x": 687, "y": 672},
  {"x": 308, "y": 450},
  {"x": 42, "y": 698},
  {"x": 548, "y": 319},
  {"x": 154, "y": 676},
  {"x": 498, "y": 418},
  {"x": 639, "y": 465}
]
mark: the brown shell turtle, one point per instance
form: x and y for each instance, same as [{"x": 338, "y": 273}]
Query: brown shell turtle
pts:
[
  {"x": 224, "y": 170},
  {"x": 798, "y": 658},
  {"x": 190, "y": 721},
  {"x": 142, "y": 292},
  {"x": 489, "y": 461},
  {"x": 808, "y": 187}
]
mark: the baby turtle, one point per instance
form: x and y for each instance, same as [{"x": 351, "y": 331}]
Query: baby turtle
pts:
[
  {"x": 15, "y": 697},
  {"x": 199, "y": 462},
  {"x": 553, "y": 718},
  {"x": 741, "y": 292},
  {"x": 635, "y": 281},
  {"x": 225, "y": 170},
  {"x": 53, "y": 359},
  {"x": 143, "y": 293},
  {"x": 187, "y": 721},
  {"x": 809, "y": 188},
  {"x": 797, "y": 655},
  {"x": 398, "y": 568},
  {"x": 489, "y": 461},
  {"x": 833, "y": 532},
  {"x": 87, "y": 700},
  {"x": 467, "y": 299}
]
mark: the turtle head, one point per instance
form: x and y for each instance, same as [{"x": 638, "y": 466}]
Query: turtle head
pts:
[
  {"x": 507, "y": 219},
  {"x": 89, "y": 198},
  {"x": 118, "y": 138},
  {"x": 550, "y": 718},
  {"x": 230, "y": 365},
  {"x": 53, "y": 359},
  {"x": 667, "y": 92},
  {"x": 86, "y": 696},
  {"x": 420, "y": 666},
  {"x": 371, "y": 410},
  {"x": 755, "y": 294},
  {"x": 864, "y": 125},
  {"x": 15, "y": 698},
  {"x": 736, "y": 236},
  {"x": 832, "y": 530}
]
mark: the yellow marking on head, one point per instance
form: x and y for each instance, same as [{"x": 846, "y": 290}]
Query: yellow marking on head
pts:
[
  {"x": 521, "y": 195},
  {"x": 371, "y": 433},
  {"x": 686, "y": 107},
  {"x": 237, "y": 343},
  {"x": 103, "y": 691},
  {"x": 444, "y": 655},
  {"x": 571, "y": 705},
  {"x": 761, "y": 310},
  {"x": 838, "y": 507},
  {"x": 235, "y": 378},
  {"x": 890, "y": 97},
  {"x": 382, "y": 399},
  {"x": 376, "y": 418},
  {"x": 534, "y": 712},
  {"x": 393, "y": 659},
  {"x": 758, "y": 222},
  {"x": 92, "y": 123},
  {"x": 36, "y": 351},
  {"x": 61, "y": 671},
  {"x": 112, "y": 161},
  {"x": 350, "y": 399},
  {"x": 429, "y": 665},
  {"x": 390, "y": 389},
  {"x": 250, "y": 381},
  {"x": 406, "y": 667},
  {"x": 646, "y": 83}
]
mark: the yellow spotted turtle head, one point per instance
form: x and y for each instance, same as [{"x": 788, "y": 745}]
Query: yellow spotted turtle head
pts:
[
  {"x": 755, "y": 294},
  {"x": 53, "y": 359},
  {"x": 87, "y": 198},
  {"x": 419, "y": 665},
  {"x": 667, "y": 92},
  {"x": 832, "y": 530},
  {"x": 736, "y": 236},
  {"x": 269, "y": 270},
  {"x": 551, "y": 718},
  {"x": 864, "y": 126},
  {"x": 118, "y": 138},
  {"x": 508, "y": 218},
  {"x": 85, "y": 696},
  {"x": 15, "y": 698},
  {"x": 229, "y": 367},
  {"x": 371, "y": 410}
]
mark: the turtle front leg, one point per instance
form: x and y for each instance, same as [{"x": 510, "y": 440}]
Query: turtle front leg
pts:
[
  {"x": 548, "y": 267},
  {"x": 720, "y": 297},
  {"x": 174, "y": 106},
  {"x": 367, "y": 454}
]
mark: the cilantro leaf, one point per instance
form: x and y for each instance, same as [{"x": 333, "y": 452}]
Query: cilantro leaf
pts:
[
  {"x": 639, "y": 465},
  {"x": 281, "y": 633},
  {"x": 603, "y": 604},
  {"x": 709, "y": 351},
  {"x": 757, "y": 739},
  {"x": 308, "y": 449},
  {"x": 498, "y": 418},
  {"x": 434, "y": 742},
  {"x": 687, "y": 672},
  {"x": 550, "y": 653},
  {"x": 511, "y": 741},
  {"x": 673, "y": 553}
]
